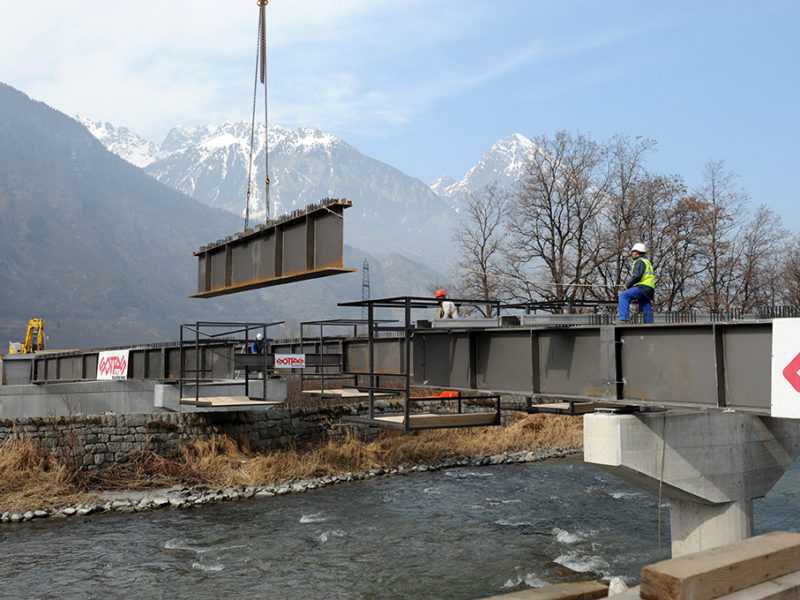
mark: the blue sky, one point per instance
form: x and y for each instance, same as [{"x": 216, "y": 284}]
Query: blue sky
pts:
[{"x": 429, "y": 85}]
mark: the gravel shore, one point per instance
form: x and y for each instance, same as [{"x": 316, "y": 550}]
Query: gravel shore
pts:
[{"x": 188, "y": 497}]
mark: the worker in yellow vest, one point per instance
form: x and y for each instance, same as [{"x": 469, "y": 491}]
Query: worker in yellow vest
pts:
[{"x": 641, "y": 286}]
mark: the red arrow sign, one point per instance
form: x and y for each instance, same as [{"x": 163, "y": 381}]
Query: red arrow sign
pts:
[{"x": 790, "y": 372}]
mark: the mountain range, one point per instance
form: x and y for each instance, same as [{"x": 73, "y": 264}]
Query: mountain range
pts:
[
  {"x": 103, "y": 251},
  {"x": 99, "y": 224},
  {"x": 210, "y": 163}
]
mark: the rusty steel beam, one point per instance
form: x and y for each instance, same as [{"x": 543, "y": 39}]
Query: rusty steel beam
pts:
[{"x": 305, "y": 244}]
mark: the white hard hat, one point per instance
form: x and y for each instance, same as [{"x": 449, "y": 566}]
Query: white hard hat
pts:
[
  {"x": 639, "y": 247},
  {"x": 260, "y": 336}
]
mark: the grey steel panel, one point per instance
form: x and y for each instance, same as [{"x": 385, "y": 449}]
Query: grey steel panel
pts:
[
  {"x": 441, "y": 360},
  {"x": 428, "y": 364},
  {"x": 570, "y": 362},
  {"x": 389, "y": 356},
  {"x": 201, "y": 272},
  {"x": 748, "y": 357},
  {"x": 173, "y": 363},
  {"x": 294, "y": 249},
  {"x": 137, "y": 365},
  {"x": 328, "y": 240},
  {"x": 216, "y": 263},
  {"x": 265, "y": 256},
  {"x": 155, "y": 368},
  {"x": 190, "y": 363},
  {"x": 672, "y": 365},
  {"x": 90, "y": 362},
  {"x": 17, "y": 372},
  {"x": 244, "y": 260},
  {"x": 69, "y": 368},
  {"x": 459, "y": 359},
  {"x": 219, "y": 360},
  {"x": 504, "y": 361},
  {"x": 51, "y": 369}
]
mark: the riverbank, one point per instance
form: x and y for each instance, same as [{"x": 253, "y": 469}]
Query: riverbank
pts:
[{"x": 35, "y": 484}]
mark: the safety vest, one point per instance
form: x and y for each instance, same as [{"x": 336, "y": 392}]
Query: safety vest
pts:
[{"x": 649, "y": 277}]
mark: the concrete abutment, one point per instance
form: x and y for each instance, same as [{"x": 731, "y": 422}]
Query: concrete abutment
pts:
[{"x": 710, "y": 465}]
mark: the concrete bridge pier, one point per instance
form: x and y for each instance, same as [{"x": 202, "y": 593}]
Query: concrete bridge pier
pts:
[{"x": 710, "y": 465}]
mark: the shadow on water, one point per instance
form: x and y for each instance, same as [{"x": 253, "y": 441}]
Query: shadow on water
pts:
[{"x": 457, "y": 534}]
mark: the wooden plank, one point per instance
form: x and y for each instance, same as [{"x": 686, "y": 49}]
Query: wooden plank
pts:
[
  {"x": 582, "y": 590},
  {"x": 227, "y": 401},
  {"x": 347, "y": 393},
  {"x": 782, "y": 588},
  {"x": 563, "y": 408},
  {"x": 426, "y": 420},
  {"x": 720, "y": 571}
]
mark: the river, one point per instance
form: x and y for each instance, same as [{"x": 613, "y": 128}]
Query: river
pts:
[{"x": 455, "y": 534}]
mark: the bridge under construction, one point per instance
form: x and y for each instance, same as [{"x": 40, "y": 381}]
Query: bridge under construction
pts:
[{"x": 703, "y": 413}]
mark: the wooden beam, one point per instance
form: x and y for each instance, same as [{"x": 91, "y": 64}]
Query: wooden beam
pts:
[
  {"x": 582, "y": 590},
  {"x": 714, "y": 573},
  {"x": 428, "y": 420},
  {"x": 782, "y": 588}
]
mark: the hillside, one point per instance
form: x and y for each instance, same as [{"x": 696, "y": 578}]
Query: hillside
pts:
[{"x": 103, "y": 252}]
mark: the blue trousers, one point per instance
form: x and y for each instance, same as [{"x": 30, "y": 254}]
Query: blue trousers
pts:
[{"x": 637, "y": 294}]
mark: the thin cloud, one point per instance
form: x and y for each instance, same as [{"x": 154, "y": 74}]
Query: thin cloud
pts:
[{"x": 153, "y": 65}]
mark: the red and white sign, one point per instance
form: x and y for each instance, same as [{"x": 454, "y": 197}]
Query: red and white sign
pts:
[
  {"x": 785, "y": 393},
  {"x": 112, "y": 364},
  {"x": 290, "y": 361}
]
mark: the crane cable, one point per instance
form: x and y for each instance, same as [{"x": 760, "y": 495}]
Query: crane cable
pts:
[{"x": 260, "y": 75}]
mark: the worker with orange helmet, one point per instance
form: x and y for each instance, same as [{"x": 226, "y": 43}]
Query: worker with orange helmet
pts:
[{"x": 447, "y": 309}]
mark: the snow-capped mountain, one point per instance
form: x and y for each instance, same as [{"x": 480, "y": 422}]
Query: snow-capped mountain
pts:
[
  {"x": 122, "y": 141},
  {"x": 391, "y": 211},
  {"x": 305, "y": 165},
  {"x": 503, "y": 164}
]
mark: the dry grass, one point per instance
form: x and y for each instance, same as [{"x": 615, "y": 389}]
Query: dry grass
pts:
[
  {"x": 221, "y": 462},
  {"x": 30, "y": 477}
]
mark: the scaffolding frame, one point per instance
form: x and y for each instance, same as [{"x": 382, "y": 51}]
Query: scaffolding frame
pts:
[
  {"x": 208, "y": 332},
  {"x": 320, "y": 362},
  {"x": 407, "y": 304}
]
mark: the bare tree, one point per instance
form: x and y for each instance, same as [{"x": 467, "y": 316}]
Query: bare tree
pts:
[
  {"x": 479, "y": 240},
  {"x": 678, "y": 253},
  {"x": 553, "y": 221},
  {"x": 625, "y": 213},
  {"x": 719, "y": 231},
  {"x": 790, "y": 273},
  {"x": 759, "y": 261}
]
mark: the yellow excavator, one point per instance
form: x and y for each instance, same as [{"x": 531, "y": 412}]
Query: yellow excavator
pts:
[{"x": 34, "y": 339}]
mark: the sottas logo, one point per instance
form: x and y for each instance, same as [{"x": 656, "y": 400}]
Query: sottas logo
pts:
[
  {"x": 287, "y": 362},
  {"x": 112, "y": 365},
  {"x": 290, "y": 361}
]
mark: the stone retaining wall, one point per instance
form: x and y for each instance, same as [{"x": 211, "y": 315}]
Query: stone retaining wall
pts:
[{"x": 98, "y": 441}]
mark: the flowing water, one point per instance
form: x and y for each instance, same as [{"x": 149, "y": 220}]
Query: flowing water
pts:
[{"x": 461, "y": 533}]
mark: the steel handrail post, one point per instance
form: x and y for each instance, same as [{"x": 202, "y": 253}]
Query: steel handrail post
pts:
[
  {"x": 197, "y": 364},
  {"x": 407, "y": 370},
  {"x": 371, "y": 360},
  {"x": 246, "y": 368},
  {"x": 264, "y": 377},
  {"x": 181, "y": 372}
]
